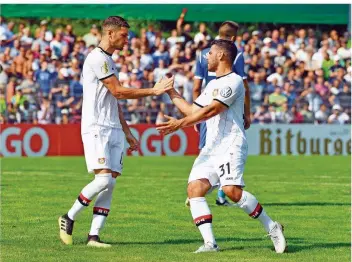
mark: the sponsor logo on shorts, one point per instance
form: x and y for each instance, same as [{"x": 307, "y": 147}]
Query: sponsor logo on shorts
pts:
[
  {"x": 229, "y": 178},
  {"x": 101, "y": 160}
]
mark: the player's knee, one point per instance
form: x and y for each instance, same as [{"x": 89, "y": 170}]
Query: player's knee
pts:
[
  {"x": 115, "y": 174},
  {"x": 233, "y": 192},
  {"x": 198, "y": 188},
  {"x": 103, "y": 182}
]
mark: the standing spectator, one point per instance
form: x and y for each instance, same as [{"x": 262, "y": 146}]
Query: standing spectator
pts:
[
  {"x": 44, "y": 78},
  {"x": 277, "y": 99},
  {"x": 202, "y": 35},
  {"x": 19, "y": 63},
  {"x": 57, "y": 43},
  {"x": 41, "y": 42},
  {"x": 160, "y": 71},
  {"x": 256, "y": 90},
  {"x": 69, "y": 37},
  {"x": 30, "y": 89},
  {"x": 161, "y": 54},
  {"x": 76, "y": 88},
  {"x": 3, "y": 76},
  {"x": 146, "y": 58},
  {"x": 93, "y": 37},
  {"x": 48, "y": 35},
  {"x": 153, "y": 111}
]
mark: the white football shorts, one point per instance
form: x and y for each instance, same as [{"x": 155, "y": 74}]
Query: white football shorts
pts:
[
  {"x": 226, "y": 169},
  {"x": 103, "y": 149}
]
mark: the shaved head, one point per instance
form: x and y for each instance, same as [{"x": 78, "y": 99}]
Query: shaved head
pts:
[{"x": 228, "y": 30}]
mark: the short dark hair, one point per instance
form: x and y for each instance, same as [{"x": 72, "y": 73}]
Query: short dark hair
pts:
[
  {"x": 115, "y": 21},
  {"x": 228, "y": 29},
  {"x": 228, "y": 47}
]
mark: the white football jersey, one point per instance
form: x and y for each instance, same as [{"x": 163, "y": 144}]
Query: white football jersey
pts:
[
  {"x": 224, "y": 127},
  {"x": 100, "y": 107}
]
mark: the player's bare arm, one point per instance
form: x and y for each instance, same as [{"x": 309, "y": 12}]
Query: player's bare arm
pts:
[
  {"x": 247, "y": 105},
  {"x": 120, "y": 92},
  {"x": 132, "y": 141},
  {"x": 181, "y": 103},
  {"x": 197, "y": 88},
  {"x": 198, "y": 116}
]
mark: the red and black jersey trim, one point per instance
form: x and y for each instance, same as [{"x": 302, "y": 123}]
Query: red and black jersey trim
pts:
[
  {"x": 101, "y": 211},
  {"x": 203, "y": 220}
]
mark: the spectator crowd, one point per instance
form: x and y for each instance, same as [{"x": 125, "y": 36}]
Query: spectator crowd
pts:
[{"x": 295, "y": 75}]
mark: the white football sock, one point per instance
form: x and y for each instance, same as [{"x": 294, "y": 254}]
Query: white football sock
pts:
[
  {"x": 249, "y": 204},
  {"x": 202, "y": 218},
  {"x": 99, "y": 184},
  {"x": 101, "y": 208}
]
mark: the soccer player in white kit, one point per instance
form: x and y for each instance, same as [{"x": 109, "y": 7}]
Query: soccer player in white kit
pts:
[
  {"x": 223, "y": 157},
  {"x": 104, "y": 128}
]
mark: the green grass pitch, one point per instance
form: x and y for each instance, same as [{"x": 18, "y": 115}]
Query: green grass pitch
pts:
[{"x": 148, "y": 221}]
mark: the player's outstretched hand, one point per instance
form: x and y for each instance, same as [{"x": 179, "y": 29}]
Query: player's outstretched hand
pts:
[
  {"x": 133, "y": 142},
  {"x": 164, "y": 85},
  {"x": 168, "y": 127}
]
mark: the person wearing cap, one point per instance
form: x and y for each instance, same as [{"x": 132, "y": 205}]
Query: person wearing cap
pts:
[
  {"x": 268, "y": 48},
  {"x": 48, "y": 35},
  {"x": 338, "y": 116}
]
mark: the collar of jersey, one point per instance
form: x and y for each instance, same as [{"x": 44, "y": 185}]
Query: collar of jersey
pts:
[
  {"x": 104, "y": 51},
  {"x": 224, "y": 75}
]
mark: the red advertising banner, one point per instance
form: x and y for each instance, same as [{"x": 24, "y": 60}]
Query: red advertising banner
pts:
[{"x": 65, "y": 140}]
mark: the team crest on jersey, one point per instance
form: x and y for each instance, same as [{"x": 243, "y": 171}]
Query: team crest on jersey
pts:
[
  {"x": 215, "y": 92},
  {"x": 101, "y": 160},
  {"x": 104, "y": 68},
  {"x": 226, "y": 92}
]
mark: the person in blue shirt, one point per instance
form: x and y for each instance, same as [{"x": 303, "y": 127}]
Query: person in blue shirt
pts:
[
  {"x": 44, "y": 78},
  {"x": 227, "y": 31}
]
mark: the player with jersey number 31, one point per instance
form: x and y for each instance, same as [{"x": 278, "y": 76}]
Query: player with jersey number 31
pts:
[{"x": 223, "y": 157}]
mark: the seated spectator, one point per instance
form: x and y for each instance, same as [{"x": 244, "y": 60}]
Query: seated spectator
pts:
[
  {"x": 321, "y": 116},
  {"x": 308, "y": 116},
  {"x": 297, "y": 117},
  {"x": 64, "y": 101},
  {"x": 338, "y": 116},
  {"x": 261, "y": 116},
  {"x": 27, "y": 113},
  {"x": 344, "y": 97},
  {"x": 44, "y": 114}
]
